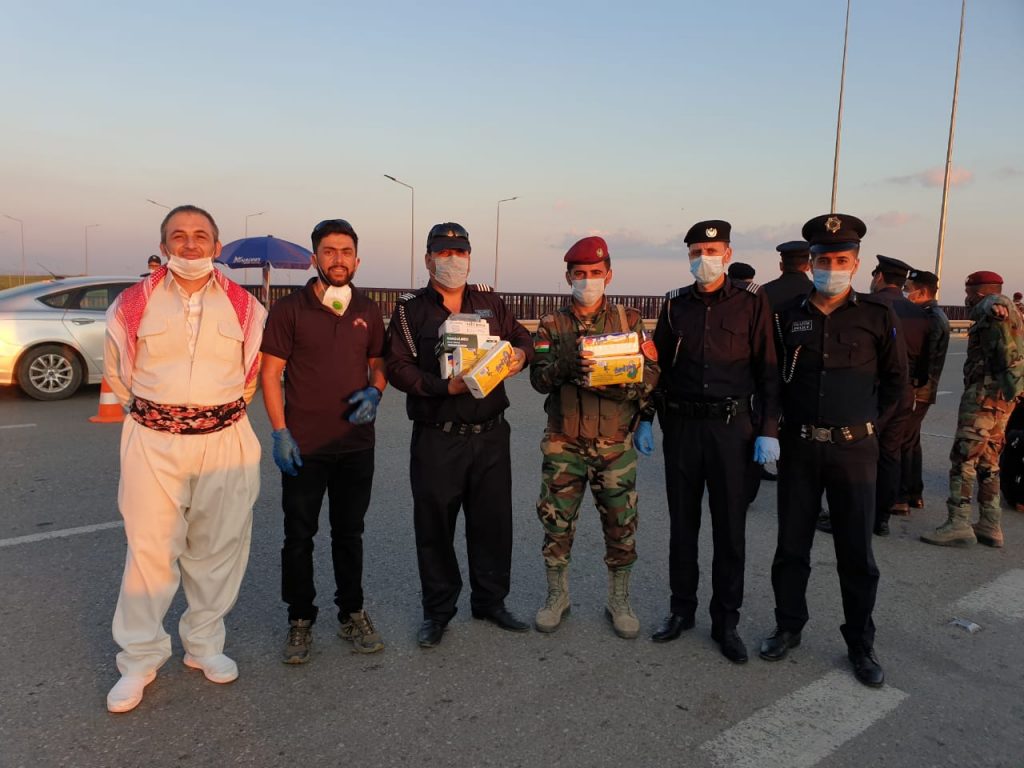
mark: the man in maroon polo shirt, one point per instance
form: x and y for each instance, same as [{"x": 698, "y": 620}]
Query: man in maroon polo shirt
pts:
[{"x": 331, "y": 338}]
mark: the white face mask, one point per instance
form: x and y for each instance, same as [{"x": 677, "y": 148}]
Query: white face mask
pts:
[
  {"x": 589, "y": 291},
  {"x": 707, "y": 269},
  {"x": 337, "y": 297},
  {"x": 832, "y": 282},
  {"x": 451, "y": 271},
  {"x": 189, "y": 269}
]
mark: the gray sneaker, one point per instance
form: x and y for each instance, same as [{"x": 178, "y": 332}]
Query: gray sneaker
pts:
[
  {"x": 360, "y": 631},
  {"x": 300, "y": 640}
]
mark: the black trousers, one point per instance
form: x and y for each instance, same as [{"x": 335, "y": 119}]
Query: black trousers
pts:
[
  {"x": 911, "y": 480},
  {"x": 347, "y": 479},
  {"x": 473, "y": 472},
  {"x": 846, "y": 474},
  {"x": 708, "y": 453},
  {"x": 892, "y": 434}
]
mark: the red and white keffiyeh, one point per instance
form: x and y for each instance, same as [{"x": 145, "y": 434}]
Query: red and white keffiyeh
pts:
[{"x": 125, "y": 316}]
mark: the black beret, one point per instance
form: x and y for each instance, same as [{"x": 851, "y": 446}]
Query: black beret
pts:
[
  {"x": 921, "y": 277},
  {"x": 890, "y": 266},
  {"x": 794, "y": 248},
  {"x": 713, "y": 231},
  {"x": 740, "y": 271},
  {"x": 834, "y": 232}
]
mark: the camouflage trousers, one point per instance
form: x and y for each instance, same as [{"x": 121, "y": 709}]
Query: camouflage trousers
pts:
[
  {"x": 609, "y": 466},
  {"x": 979, "y": 439}
]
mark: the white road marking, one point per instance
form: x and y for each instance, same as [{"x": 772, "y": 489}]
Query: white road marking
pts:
[
  {"x": 33, "y": 537},
  {"x": 1003, "y": 596},
  {"x": 944, "y": 392},
  {"x": 805, "y": 727},
  {"x": 935, "y": 434},
  {"x": 16, "y": 426}
]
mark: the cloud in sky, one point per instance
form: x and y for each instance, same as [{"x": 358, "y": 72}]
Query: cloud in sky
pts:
[
  {"x": 893, "y": 219},
  {"x": 628, "y": 244},
  {"x": 932, "y": 177}
]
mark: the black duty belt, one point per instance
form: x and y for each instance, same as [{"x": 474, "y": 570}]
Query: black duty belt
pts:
[
  {"x": 713, "y": 409},
  {"x": 461, "y": 428},
  {"x": 836, "y": 434}
]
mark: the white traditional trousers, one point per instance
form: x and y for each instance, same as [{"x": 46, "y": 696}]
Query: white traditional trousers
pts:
[{"x": 187, "y": 504}]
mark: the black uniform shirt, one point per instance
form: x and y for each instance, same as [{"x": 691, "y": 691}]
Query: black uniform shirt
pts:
[
  {"x": 841, "y": 369},
  {"x": 786, "y": 287},
  {"x": 412, "y": 361},
  {"x": 914, "y": 325},
  {"x": 719, "y": 345}
]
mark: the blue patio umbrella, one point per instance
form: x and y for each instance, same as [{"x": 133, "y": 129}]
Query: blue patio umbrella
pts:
[{"x": 264, "y": 252}]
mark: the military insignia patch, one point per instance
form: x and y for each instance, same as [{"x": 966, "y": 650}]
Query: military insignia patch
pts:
[
  {"x": 359, "y": 323},
  {"x": 802, "y": 326},
  {"x": 649, "y": 350},
  {"x": 833, "y": 223},
  {"x": 711, "y": 231},
  {"x": 541, "y": 345}
]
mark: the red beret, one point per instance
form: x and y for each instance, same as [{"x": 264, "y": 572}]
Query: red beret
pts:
[
  {"x": 983, "y": 278},
  {"x": 589, "y": 250}
]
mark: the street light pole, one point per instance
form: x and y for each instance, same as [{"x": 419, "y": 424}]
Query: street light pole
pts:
[
  {"x": 839, "y": 118},
  {"x": 87, "y": 228},
  {"x": 21, "y": 224},
  {"x": 497, "y": 232},
  {"x": 949, "y": 152},
  {"x": 159, "y": 205},
  {"x": 412, "y": 230}
]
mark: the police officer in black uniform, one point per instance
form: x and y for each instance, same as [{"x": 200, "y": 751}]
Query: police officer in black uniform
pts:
[
  {"x": 714, "y": 343},
  {"x": 460, "y": 445},
  {"x": 841, "y": 371},
  {"x": 795, "y": 263}
]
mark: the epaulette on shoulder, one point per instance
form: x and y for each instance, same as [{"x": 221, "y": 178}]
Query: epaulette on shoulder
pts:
[
  {"x": 753, "y": 287},
  {"x": 484, "y": 287},
  {"x": 404, "y": 297},
  {"x": 675, "y": 293}
]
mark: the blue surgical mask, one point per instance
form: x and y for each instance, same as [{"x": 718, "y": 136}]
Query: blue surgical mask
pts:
[
  {"x": 451, "y": 271},
  {"x": 832, "y": 282},
  {"x": 587, "y": 292},
  {"x": 707, "y": 269}
]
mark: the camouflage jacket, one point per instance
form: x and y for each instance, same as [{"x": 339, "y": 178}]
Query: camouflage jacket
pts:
[
  {"x": 994, "y": 369},
  {"x": 575, "y": 410}
]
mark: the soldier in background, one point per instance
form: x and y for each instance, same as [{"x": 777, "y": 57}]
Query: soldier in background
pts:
[
  {"x": 993, "y": 380},
  {"x": 715, "y": 349},
  {"x": 1018, "y": 301},
  {"x": 589, "y": 436},
  {"x": 741, "y": 271},
  {"x": 921, "y": 288},
  {"x": 795, "y": 264}
]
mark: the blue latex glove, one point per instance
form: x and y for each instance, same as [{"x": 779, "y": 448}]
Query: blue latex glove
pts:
[
  {"x": 643, "y": 438},
  {"x": 366, "y": 411},
  {"x": 766, "y": 449},
  {"x": 286, "y": 452}
]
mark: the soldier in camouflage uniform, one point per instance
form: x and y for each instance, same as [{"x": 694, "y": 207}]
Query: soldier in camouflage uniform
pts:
[
  {"x": 589, "y": 436},
  {"x": 993, "y": 376}
]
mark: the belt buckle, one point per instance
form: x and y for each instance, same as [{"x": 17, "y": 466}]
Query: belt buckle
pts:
[
  {"x": 821, "y": 434},
  {"x": 476, "y": 429}
]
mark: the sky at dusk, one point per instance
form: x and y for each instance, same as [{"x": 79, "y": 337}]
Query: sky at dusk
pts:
[{"x": 632, "y": 121}]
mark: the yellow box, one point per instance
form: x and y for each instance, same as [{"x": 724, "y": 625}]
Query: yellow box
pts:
[
  {"x": 621, "y": 369},
  {"x": 611, "y": 344},
  {"x": 490, "y": 370}
]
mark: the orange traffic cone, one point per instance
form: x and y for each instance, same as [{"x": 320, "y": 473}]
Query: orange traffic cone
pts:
[{"x": 110, "y": 411}]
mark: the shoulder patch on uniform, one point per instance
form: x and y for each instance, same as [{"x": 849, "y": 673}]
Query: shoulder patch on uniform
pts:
[
  {"x": 404, "y": 297},
  {"x": 753, "y": 287},
  {"x": 483, "y": 287},
  {"x": 673, "y": 293}
]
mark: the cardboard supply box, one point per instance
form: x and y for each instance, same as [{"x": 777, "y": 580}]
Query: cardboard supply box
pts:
[
  {"x": 460, "y": 360},
  {"x": 621, "y": 369},
  {"x": 490, "y": 370},
  {"x": 449, "y": 341},
  {"x": 611, "y": 344},
  {"x": 464, "y": 323}
]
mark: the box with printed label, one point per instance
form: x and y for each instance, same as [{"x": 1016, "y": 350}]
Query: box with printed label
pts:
[
  {"x": 621, "y": 369},
  {"x": 490, "y": 370},
  {"x": 464, "y": 323},
  {"x": 610, "y": 344},
  {"x": 459, "y": 360}
]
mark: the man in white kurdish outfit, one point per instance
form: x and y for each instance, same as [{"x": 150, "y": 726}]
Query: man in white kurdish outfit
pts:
[{"x": 182, "y": 351}]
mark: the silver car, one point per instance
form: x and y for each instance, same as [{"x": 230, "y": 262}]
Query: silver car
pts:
[{"x": 52, "y": 333}]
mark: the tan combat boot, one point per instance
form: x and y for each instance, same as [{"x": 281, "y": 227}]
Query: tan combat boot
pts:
[
  {"x": 549, "y": 618},
  {"x": 624, "y": 621},
  {"x": 988, "y": 529},
  {"x": 956, "y": 531}
]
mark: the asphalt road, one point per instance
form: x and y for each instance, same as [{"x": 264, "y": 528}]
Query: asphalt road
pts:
[{"x": 579, "y": 697}]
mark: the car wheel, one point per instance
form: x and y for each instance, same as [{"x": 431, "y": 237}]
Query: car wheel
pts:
[{"x": 49, "y": 372}]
